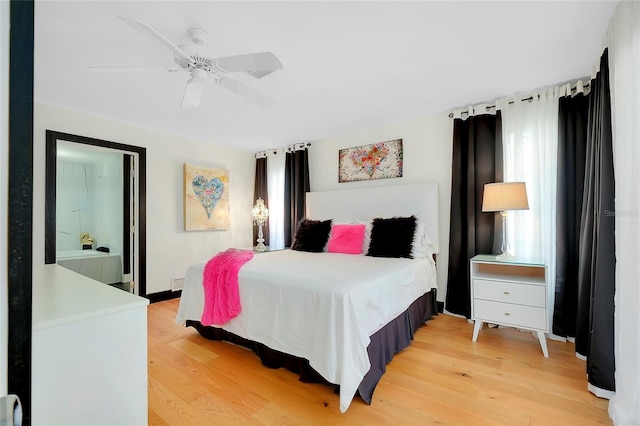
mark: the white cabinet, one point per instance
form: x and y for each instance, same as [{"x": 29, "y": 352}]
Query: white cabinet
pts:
[
  {"x": 89, "y": 359},
  {"x": 511, "y": 293}
]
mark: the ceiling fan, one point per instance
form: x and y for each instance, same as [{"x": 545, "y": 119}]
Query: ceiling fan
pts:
[{"x": 191, "y": 57}]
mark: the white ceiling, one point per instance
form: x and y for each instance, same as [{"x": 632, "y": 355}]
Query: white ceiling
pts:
[{"x": 347, "y": 65}]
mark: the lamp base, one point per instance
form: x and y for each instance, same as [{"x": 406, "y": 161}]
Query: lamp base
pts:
[
  {"x": 260, "y": 240},
  {"x": 506, "y": 253},
  {"x": 505, "y": 256}
]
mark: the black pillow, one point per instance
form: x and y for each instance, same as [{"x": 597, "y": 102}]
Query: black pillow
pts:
[
  {"x": 392, "y": 237},
  {"x": 311, "y": 235}
]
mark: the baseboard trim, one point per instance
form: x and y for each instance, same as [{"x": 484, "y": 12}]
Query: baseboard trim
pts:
[{"x": 163, "y": 295}]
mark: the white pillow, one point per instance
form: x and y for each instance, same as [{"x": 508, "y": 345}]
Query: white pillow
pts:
[
  {"x": 367, "y": 234},
  {"x": 422, "y": 245}
]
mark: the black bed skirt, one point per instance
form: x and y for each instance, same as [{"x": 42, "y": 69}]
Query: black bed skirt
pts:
[{"x": 385, "y": 343}]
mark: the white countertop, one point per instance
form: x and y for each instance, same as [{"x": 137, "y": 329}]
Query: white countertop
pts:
[
  {"x": 61, "y": 296},
  {"x": 492, "y": 258}
]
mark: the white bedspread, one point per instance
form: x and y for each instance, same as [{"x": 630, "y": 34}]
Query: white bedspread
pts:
[{"x": 319, "y": 306}]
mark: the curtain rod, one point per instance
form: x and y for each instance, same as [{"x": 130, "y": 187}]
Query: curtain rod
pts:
[
  {"x": 288, "y": 148},
  {"x": 529, "y": 99}
]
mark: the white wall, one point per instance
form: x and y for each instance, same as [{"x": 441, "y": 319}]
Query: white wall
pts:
[
  {"x": 427, "y": 151},
  {"x": 4, "y": 185},
  {"x": 170, "y": 250}
]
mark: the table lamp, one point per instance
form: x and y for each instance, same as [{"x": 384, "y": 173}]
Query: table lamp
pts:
[
  {"x": 501, "y": 197},
  {"x": 260, "y": 214}
]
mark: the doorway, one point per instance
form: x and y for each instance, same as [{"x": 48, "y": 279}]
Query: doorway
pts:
[{"x": 116, "y": 227}]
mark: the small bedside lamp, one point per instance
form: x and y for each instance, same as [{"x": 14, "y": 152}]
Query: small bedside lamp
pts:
[
  {"x": 260, "y": 214},
  {"x": 503, "y": 196}
]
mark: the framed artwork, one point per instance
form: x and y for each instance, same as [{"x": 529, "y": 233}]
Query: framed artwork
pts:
[
  {"x": 206, "y": 198},
  {"x": 380, "y": 160}
]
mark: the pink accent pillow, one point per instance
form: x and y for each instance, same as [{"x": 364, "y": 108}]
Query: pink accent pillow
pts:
[{"x": 346, "y": 239}]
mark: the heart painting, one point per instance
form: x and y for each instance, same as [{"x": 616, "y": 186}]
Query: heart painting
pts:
[
  {"x": 379, "y": 160},
  {"x": 206, "y": 198},
  {"x": 208, "y": 192}
]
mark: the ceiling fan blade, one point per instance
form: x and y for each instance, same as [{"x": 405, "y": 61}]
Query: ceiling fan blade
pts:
[
  {"x": 141, "y": 26},
  {"x": 193, "y": 92},
  {"x": 245, "y": 91},
  {"x": 248, "y": 62},
  {"x": 134, "y": 69}
]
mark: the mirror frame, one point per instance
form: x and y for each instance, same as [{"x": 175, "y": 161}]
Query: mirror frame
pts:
[{"x": 52, "y": 139}]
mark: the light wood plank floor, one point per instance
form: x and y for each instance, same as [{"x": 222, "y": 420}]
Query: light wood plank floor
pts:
[{"x": 442, "y": 378}]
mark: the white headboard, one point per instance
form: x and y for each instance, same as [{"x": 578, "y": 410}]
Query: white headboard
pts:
[{"x": 345, "y": 205}]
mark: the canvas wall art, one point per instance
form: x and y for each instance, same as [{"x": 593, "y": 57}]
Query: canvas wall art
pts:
[
  {"x": 380, "y": 160},
  {"x": 206, "y": 198}
]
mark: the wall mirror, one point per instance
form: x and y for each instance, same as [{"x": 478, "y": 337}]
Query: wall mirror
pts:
[{"x": 95, "y": 209}]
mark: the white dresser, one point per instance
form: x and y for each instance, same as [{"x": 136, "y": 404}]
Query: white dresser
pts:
[
  {"x": 89, "y": 360},
  {"x": 511, "y": 293}
]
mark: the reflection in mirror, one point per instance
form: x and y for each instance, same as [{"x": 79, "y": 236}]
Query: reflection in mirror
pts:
[{"x": 89, "y": 212}]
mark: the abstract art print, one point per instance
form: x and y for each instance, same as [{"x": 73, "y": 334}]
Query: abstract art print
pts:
[
  {"x": 206, "y": 198},
  {"x": 380, "y": 160}
]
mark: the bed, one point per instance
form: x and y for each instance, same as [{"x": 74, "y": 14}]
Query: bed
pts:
[{"x": 329, "y": 316}]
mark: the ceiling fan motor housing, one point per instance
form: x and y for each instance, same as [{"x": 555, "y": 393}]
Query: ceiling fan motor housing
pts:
[{"x": 199, "y": 60}]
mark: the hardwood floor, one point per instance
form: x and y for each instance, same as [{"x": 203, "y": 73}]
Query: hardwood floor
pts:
[{"x": 442, "y": 378}]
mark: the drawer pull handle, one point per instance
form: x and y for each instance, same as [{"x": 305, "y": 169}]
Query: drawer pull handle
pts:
[
  {"x": 506, "y": 292},
  {"x": 507, "y": 313}
]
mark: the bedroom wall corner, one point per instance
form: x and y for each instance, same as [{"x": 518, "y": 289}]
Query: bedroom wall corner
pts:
[
  {"x": 427, "y": 151},
  {"x": 170, "y": 249}
]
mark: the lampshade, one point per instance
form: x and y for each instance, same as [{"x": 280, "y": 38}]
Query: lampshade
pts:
[
  {"x": 503, "y": 196},
  {"x": 259, "y": 212}
]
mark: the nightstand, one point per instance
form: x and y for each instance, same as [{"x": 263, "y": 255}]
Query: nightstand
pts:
[{"x": 511, "y": 293}]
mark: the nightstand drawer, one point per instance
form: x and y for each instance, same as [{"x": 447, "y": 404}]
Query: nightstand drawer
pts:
[
  {"x": 501, "y": 291},
  {"x": 510, "y": 314}
]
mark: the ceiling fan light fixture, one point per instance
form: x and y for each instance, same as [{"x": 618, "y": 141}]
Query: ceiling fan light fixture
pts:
[{"x": 198, "y": 74}]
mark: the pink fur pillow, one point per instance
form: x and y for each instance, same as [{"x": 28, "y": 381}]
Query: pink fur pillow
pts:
[{"x": 346, "y": 239}]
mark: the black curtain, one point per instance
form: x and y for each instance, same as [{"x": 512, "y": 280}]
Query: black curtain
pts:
[
  {"x": 572, "y": 144},
  {"x": 596, "y": 275},
  {"x": 296, "y": 185},
  {"x": 260, "y": 191},
  {"x": 477, "y": 160}
]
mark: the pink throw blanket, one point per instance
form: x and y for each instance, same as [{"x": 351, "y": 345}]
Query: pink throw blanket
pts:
[{"x": 220, "y": 281}]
